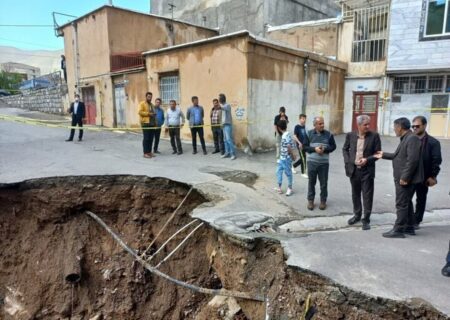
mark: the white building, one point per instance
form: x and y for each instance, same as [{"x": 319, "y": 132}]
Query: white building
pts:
[
  {"x": 28, "y": 72},
  {"x": 419, "y": 63}
]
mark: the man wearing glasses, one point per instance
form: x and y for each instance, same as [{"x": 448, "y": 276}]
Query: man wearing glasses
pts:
[{"x": 432, "y": 159}]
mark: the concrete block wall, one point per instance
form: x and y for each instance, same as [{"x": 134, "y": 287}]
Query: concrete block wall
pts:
[
  {"x": 234, "y": 15},
  {"x": 405, "y": 50},
  {"x": 49, "y": 100}
]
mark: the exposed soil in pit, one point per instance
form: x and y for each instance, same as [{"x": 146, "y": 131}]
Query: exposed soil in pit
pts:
[{"x": 43, "y": 229}]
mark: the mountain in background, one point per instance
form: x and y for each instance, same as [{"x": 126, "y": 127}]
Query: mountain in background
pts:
[{"x": 46, "y": 60}]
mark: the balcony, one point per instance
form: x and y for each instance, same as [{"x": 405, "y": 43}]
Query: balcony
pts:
[{"x": 125, "y": 61}]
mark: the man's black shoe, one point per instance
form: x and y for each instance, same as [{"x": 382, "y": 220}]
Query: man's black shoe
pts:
[
  {"x": 79, "y": 139},
  {"x": 215, "y": 151},
  {"x": 446, "y": 270},
  {"x": 365, "y": 225},
  {"x": 394, "y": 234},
  {"x": 69, "y": 140},
  {"x": 156, "y": 151},
  {"x": 180, "y": 152},
  {"x": 194, "y": 152},
  {"x": 204, "y": 152},
  {"x": 354, "y": 220},
  {"x": 174, "y": 152},
  {"x": 410, "y": 231}
]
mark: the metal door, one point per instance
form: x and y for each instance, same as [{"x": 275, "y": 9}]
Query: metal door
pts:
[
  {"x": 120, "y": 105},
  {"x": 88, "y": 95},
  {"x": 365, "y": 103}
]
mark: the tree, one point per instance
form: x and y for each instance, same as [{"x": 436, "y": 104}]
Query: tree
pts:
[{"x": 10, "y": 81}]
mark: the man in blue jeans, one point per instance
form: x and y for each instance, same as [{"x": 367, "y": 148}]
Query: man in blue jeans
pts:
[
  {"x": 227, "y": 128},
  {"x": 319, "y": 145}
]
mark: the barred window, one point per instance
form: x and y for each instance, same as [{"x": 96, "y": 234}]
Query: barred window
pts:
[
  {"x": 421, "y": 84},
  {"x": 435, "y": 83},
  {"x": 169, "y": 88},
  {"x": 401, "y": 85},
  {"x": 322, "y": 79},
  {"x": 418, "y": 84},
  {"x": 370, "y": 33}
]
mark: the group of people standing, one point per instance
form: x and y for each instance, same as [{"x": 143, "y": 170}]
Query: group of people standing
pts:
[
  {"x": 152, "y": 118},
  {"x": 416, "y": 165}
]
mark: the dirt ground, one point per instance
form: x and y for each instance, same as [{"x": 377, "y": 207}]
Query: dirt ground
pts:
[{"x": 45, "y": 235}]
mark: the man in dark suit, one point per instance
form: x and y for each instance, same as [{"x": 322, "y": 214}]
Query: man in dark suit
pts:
[
  {"x": 78, "y": 111},
  {"x": 359, "y": 149},
  {"x": 432, "y": 159},
  {"x": 408, "y": 171}
]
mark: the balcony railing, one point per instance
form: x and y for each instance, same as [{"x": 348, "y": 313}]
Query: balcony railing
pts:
[{"x": 124, "y": 61}]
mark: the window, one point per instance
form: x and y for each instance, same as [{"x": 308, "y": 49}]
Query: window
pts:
[
  {"x": 370, "y": 33},
  {"x": 322, "y": 80},
  {"x": 421, "y": 84},
  {"x": 437, "y": 18},
  {"x": 169, "y": 88},
  {"x": 401, "y": 85},
  {"x": 439, "y": 103},
  {"x": 435, "y": 83},
  {"x": 418, "y": 84}
]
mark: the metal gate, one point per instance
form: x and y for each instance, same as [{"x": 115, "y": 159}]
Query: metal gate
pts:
[
  {"x": 365, "y": 103},
  {"x": 88, "y": 94},
  {"x": 120, "y": 105}
]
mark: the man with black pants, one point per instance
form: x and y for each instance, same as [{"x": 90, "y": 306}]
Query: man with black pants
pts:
[
  {"x": 216, "y": 127},
  {"x": 159, "y": 122},
  {"x": 319, "y": 145},
  {"x": 408, "y": 171},
  {"x": 174, "y": 122},
  {"x": 148, "y": 122},
  {"x": 432, "y": 159},
  {"x": 78, "y": 111},
  {"x": 446, "y": 269},
  {"x": 300, "y": 137},
  {"x": 195, "y": 115},
  {"x": 359, "y": 149}
]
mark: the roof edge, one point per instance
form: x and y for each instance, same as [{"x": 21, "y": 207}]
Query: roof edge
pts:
[{"x": 133, "y": 11}]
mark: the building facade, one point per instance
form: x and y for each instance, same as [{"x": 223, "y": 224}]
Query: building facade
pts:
[
  {"x": 103, "y": 54},
  {"x": 418, "y": 66},
  {"x": 235, "y": 15},
  {"x": 358, "y": 37},
  {"x": 257, "y": 76}
]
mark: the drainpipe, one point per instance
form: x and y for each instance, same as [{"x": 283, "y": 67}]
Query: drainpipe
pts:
[
  {"x": 77, "y": 58},
  {"x": 305, "y": 84}
]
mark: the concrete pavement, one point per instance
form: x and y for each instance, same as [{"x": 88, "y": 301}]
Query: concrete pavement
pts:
[{"x": 245, "y": 207}]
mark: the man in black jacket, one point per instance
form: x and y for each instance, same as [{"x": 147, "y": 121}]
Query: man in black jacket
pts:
[
  {"x": 432, "y": 159},
  {"x": 78, "y": 111},
  {"x": 408, "y": 171},
  {"x": 359, "y": 149}
]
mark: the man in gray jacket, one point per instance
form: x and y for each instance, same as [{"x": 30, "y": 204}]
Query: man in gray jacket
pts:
[
  {"x": 408, "y": 171},
  {"x": 195, "y": 115}
]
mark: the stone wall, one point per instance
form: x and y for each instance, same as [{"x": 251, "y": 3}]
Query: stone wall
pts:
[{"x": 50, "y": 100}]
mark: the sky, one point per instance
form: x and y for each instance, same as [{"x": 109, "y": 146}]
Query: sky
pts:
[{"x": 39, "y": 12}]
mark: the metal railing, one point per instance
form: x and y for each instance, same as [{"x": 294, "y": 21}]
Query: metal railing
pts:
[{"x": 124, "y": 61}]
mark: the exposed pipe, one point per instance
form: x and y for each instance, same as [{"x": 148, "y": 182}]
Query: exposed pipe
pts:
[
  {"x": 215, "y": 292},
  {"x": 179, "y": 246},
  {"x": 74, "y": 249},
  {"x": 305, "y": 84}
]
